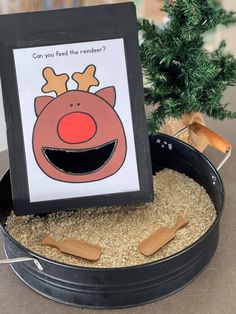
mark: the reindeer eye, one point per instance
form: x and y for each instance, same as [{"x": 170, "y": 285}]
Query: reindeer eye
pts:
[
  {"x": 78, "y": 104},
  {"x": 71, "y": 105}
]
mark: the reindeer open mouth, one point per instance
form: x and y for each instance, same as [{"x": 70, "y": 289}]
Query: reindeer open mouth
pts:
[{"x": 80, "y": 161}]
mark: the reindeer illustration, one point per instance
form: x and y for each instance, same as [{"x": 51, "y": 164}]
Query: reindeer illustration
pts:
[{"x": 78, "y": 136}]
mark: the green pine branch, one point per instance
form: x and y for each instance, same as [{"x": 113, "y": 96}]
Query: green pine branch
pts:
[{"x": 179, "y": 73}]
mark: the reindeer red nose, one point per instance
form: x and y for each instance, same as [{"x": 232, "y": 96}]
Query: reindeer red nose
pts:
[{"x": 76, "y": 127}]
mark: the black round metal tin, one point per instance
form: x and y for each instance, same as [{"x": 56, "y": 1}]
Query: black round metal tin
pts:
[{"x": 125, "y": 286}]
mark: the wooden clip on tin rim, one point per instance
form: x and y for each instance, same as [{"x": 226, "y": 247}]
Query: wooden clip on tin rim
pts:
[{"x": 213, "y": 139}]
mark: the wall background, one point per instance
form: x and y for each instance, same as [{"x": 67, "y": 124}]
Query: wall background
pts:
[{"x": 147, "y": 8}]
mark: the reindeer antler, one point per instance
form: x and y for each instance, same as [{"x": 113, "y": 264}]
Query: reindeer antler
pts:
[
  {"x": 55, "y": 83},
  {"x": 86, "y": 79}
]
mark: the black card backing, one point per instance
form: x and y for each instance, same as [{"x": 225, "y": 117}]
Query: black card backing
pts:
[{"x": 74, "y": 107}]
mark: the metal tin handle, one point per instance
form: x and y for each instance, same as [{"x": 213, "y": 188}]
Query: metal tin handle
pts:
[
  {"x": 22, "y": 259},
  {"x": 213, "y": 139}
]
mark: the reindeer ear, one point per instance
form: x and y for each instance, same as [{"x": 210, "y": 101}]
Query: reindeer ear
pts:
[
  {"x": 108, "y": 94},
  {"x": 40, "y": 103}
]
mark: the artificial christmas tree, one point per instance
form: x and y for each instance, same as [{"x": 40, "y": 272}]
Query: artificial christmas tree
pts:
[{"x": 181, "y": 76}]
